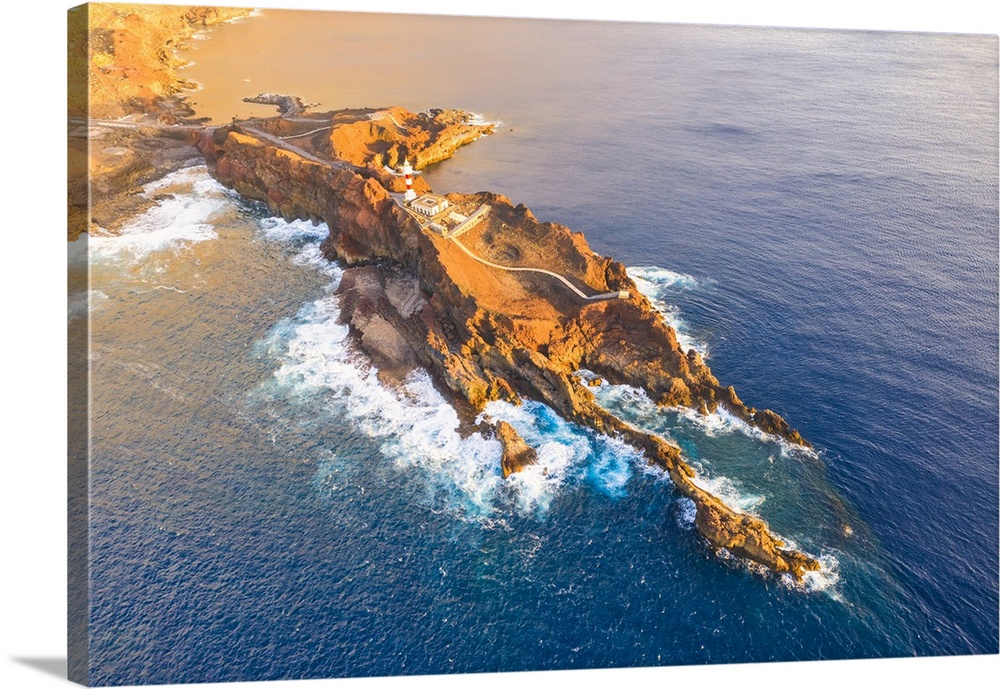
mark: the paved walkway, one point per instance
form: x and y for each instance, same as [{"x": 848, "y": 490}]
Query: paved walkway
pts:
[
  {"x": 382, "y": 113},
  {"x": 299, "y": 136},
  {"x": 597, "y": 297}
]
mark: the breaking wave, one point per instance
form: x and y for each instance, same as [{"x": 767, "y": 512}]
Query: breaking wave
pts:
[
  {"x": 722, "y": 422},
  {"x": 686, "y": 513},
  {"x": 418, "y": 430},
  {"x": 730, "y": 492},
  {"x": 822, "y": 580},
  {"x": 415, "y": 426},
  {"x": 294, "y": 232},
  {"x": 634, "y": 405},
  {"x": 188, "y": 201},
  {"x": 476, "y": 118},
  {"x": 568, "y": 454},
  {"x": 658, "y": 285}
]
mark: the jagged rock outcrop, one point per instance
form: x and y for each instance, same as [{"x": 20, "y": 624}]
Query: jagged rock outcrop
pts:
[
  {"x": 288, "y": 106},
  {"x": 388, "y": 136},
  {"x": 379, "y": 320},
  {"x": 517, "y": 454},
  {"x": 486, "y": 334}
]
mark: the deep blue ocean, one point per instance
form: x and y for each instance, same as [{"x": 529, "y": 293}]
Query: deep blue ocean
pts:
[{"x": 816, "y": 211}]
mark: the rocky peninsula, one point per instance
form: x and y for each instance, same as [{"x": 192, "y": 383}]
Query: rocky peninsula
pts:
[{"x": 416, "y": 297}]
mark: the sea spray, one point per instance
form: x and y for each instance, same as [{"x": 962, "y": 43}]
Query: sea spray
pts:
[
  {"x": 189, "y": 201},
  {"x": 721, "y": 422},
  {"x": 481, "y": 120},
  {"x": 414, "y": 425},
  {"x": 659, "y": 285},
  {"x": 417, "y": 430},
  {"x": 568, "y": 454},
  {"x": 732, "y": 460},
  {"x": 635, "y": 406}
]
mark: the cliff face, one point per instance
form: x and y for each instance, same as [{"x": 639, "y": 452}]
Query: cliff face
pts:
[{"x": 415, "y": 298}]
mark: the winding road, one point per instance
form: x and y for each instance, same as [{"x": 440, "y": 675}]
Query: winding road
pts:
[{"x": 381, "y": 114}]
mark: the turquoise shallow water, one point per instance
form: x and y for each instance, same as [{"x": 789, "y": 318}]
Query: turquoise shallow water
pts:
[{"x": 814, "y": 210}]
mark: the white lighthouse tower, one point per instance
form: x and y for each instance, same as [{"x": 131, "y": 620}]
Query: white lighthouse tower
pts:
[{"x": 410, "y": 195}]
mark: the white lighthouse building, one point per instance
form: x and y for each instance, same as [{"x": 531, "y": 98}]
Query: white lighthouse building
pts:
[{"x": 410, "y": 195}]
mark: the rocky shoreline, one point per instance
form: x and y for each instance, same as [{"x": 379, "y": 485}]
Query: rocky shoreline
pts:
[{"x": 413, "y": 299}]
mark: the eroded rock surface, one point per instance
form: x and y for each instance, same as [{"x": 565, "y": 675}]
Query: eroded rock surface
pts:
[
  {"x": 288, "y": 106},
  {"x": 388, "y": 136},
  {"x": 517, "y": 454}
]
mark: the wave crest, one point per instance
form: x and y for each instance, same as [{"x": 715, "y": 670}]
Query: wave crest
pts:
[
  {"x": 658, "y": 285},
  {"x": 179, "y": 219}
]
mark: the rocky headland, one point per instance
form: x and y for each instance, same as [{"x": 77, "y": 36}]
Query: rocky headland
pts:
[
  {"x": 388, "y": 136},
  {"x": 415, "y": 297}
]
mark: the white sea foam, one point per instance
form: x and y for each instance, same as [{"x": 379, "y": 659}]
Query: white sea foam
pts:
[
  {"x": 292, "y": 231},
  {"x": 824, "y": 579},
  {"x": 418, "y": 429},
  {"x": 256, "y": 12},
  {"x": 638, "y": 408},
  {"x": 643, "y": 412},
  {"x": 722, "y": 422},
  {"x": 719, "y": 422},
  {"x": 305, "y": 236},
  {"x": 476, "y": 118},
  {"x": 414, "y": 426},
  {"x": 176, "y": 221},
  {"x": 656, "y": 284},
  {"x": 662, "y": 277},
  {"x": 686, "y": 512},
  {"x": 729, "y": 491},
  {"x": 568, "y": 454}
]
